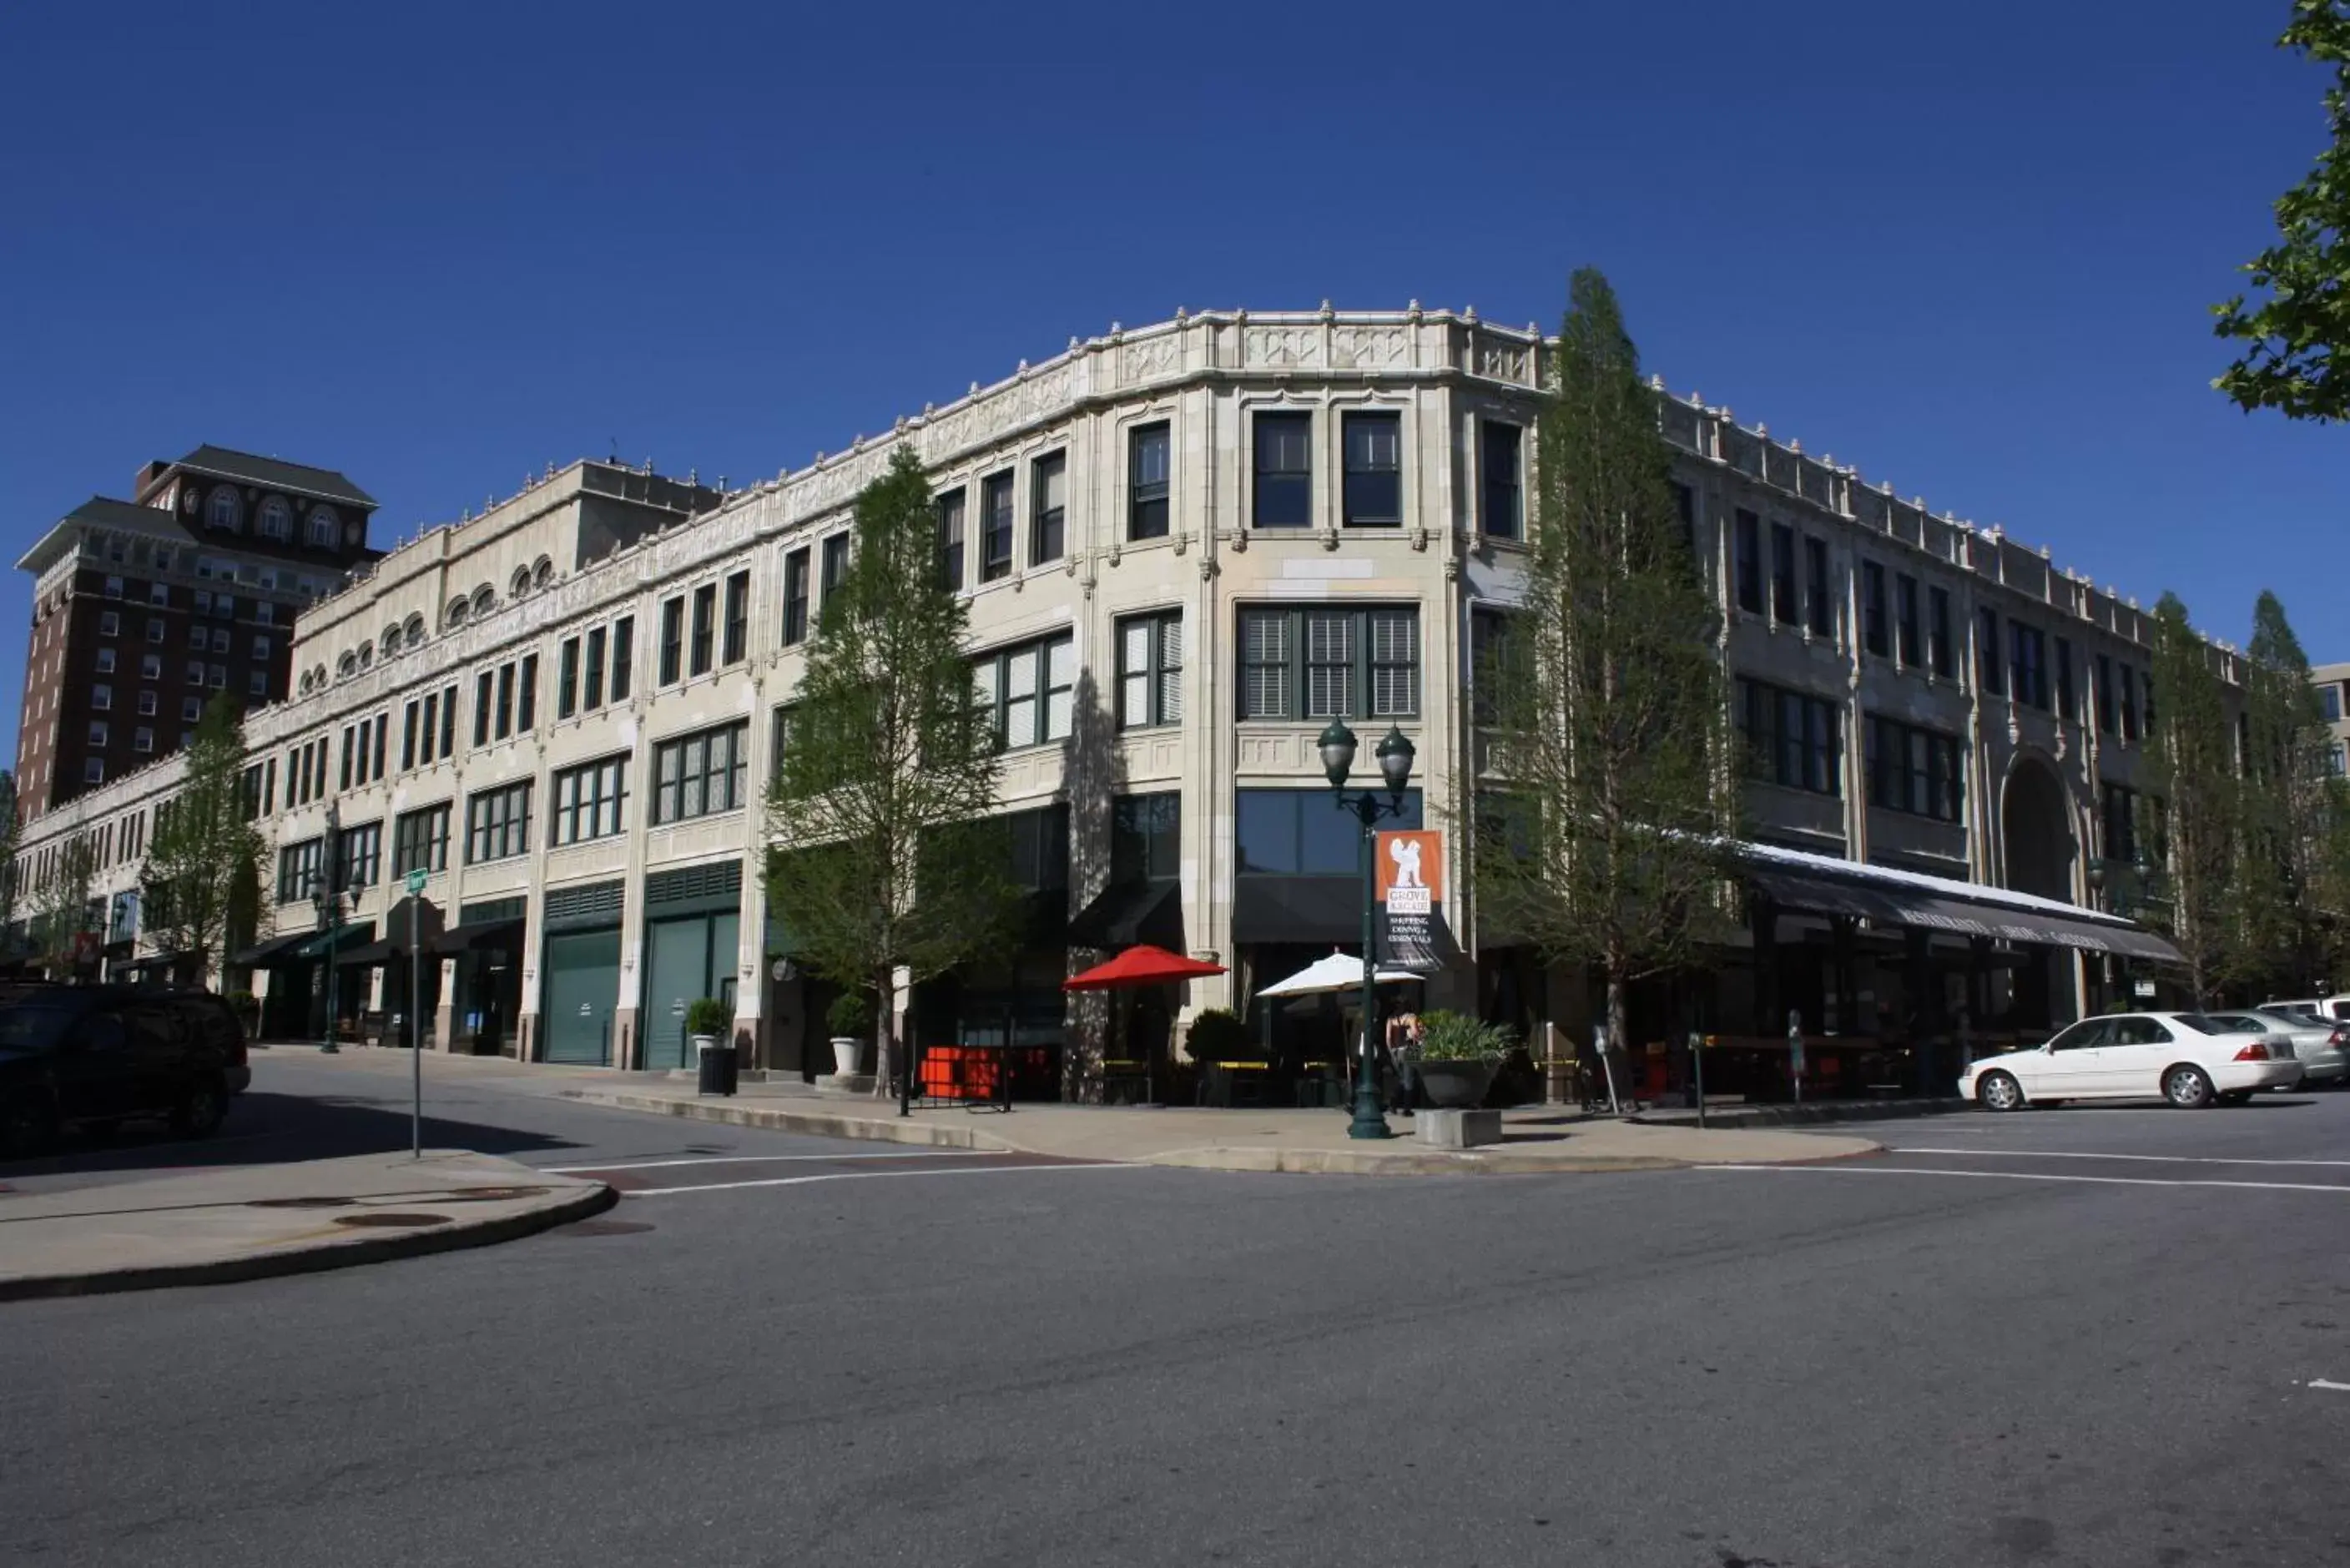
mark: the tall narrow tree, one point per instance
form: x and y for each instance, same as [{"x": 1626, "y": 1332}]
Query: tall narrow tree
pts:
[
  {"x": 11, "y": 832},
  {"x": 61, "y": 904},
  {"x": 2192, "y": 772},
  {"x": 1606, "y": 716},
  {"x": 882, "y": 854},
  {"x": 201, "y": 879},
  {"x": 2291, "y": 825}
]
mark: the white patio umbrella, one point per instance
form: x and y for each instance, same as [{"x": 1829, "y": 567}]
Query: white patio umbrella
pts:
[{"x": 1339, "y": 972}]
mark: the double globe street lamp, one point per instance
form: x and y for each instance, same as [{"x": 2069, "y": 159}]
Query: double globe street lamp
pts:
[{"x": 1394, "y": 754}]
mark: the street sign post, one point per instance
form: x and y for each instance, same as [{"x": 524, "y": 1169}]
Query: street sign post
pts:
[{"x": 415, "y": 1016}]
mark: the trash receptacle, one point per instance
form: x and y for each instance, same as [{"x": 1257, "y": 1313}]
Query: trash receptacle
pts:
[{"x": 717, "y": 1075}]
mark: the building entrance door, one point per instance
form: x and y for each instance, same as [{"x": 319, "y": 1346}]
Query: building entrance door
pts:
[{"x": 581, "y": 992}]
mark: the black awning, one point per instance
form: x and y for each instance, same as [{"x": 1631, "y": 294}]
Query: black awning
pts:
[
  {"x": 479, "y": 935},
  {"x": 1887, "y": 903},
  {"x": 275, "y": 950},
  {"x": 318, "y": 944},
  {"x": 366, "y": 954},
  {"x": 1124, "y": 914}
]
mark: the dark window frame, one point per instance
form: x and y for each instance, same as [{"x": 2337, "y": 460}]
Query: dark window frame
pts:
[
  {"x": 995, "y": 525},
  {"x": 796, "y": 597},
  {"x": 717, "y": 782},
  {"x": 497, "y": 822},
  {"x": 672, "y": 641},
  {"x": 1370, "y": 494},
  {"x": 597, "y": 794},
  {"x": 1281, "y": 493},
  {"x": 1500, "y": 479},
  {"x": 1048, "y": 525},
  {"x": 1792, "y": 739},
  {"x": 1150, "y": 501},
  {"x": 1298, "y": 664},
  {"x": 1155, "y": 626}
]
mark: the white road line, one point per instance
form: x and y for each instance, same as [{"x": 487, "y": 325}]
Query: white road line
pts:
[
  {"x": 2145, "y": 1158},
  {"x": 2342, "y": 1190},
  {"x": 775, "y": 1158},
  {"x": 2334, "y": 1387},
  {"x": 877, "y": 1175}
]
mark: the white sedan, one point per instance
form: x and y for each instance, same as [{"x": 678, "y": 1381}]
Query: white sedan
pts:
[{"x": 2183, "y": 1058}]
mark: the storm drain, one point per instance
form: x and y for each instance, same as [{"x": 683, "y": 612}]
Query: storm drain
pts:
[
  {"x": 392, "y": 1221},
  {"x": 301, "y": 1203},
  {"x": 489, "y": 1194}
]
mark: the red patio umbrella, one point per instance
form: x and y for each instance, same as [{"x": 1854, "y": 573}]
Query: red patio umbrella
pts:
[
  {"x": 1142, "y": 965},
  {"x": 1133, "y": 970}
]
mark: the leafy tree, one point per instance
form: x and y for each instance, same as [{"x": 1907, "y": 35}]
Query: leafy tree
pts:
[
  {"x": 2289, "y": 884},
  {"x": 882, "y": 854},
  {"x": 1606, "y": 715},
  {"x": 60, "y": 902},
  {"x": 11, "y": 832},
  {"x": 201, "y": 879},
  {"x": 2298, "y": 334},
  {"x": 2191, "y": 769}
]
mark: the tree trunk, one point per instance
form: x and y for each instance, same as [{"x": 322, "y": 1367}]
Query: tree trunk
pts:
[
  {"x": 884, "y": 1038},
  {"x": 1617, "y": 1029}
]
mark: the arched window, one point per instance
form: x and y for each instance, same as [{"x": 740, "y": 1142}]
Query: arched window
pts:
[
  {"x": 415, "y": 631},
  {"x": 323, "y": 530},
  {"x": 276, "y": 519},
  {"x": 456, "y": 616},
  {"x": 367, "y": 654},
  {"x": 521, "y": 584},
  {"x": 484, "y": 601},
  {"x": 347, "y": 666},
  {"x": 223, "y": 509},
  {"x": 542, "y": 573},
  {"x": 305, "y": 683},
  {"x": 390, "y": 640}
]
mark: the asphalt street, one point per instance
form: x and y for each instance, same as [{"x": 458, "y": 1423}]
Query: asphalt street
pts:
[{"x": 2080, "y": 1337}]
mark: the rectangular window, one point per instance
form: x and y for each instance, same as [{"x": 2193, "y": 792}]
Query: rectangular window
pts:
[
  {"x": 698, "y": 775},
  {"x": 143, "y": 739},
  {"x": 448, "y": 721},
  {"x": 1940, "y": 652},
  {"x": 349, "y": 746},
  {"x": 114, "y": 587},
  {"x": 1746, "y": 564},
  {"x": 1490, "y": 656},
  {"x": 1910, "y": 631},
  {"x": 1791, "y": 739},
  {"x": 1148, "y": 463},
  {"x": 504, "y": 725},
  {"x": 1685, "y": 507},
  {"x": 1912, "y": 770},
  {"x": 484, "y": 685},
  {"x": 1783, "y": 574},
  {"x": 2027, "y": 669},
  {"x": 109, "y": 624},
  {"x": 97, "y": 732},
  {"x": 260, "y": 648},
  {"x": 705, "y": 629},
  {"x": 154, "y": 631},
  {"x": 1150, "y": 669},
  {"x": 624, "y": 653},
  {"x": 995, "y": 527},
  {"x": 1988, "y": 664},
  {"x": 738, "y": 619},
  {"x": 836, "y": 565},
  {"x": 407, "y": 718},
  {"x": 1146, "y": 838},
  {"x": 1295, "y": 832},
  {"x": 1329, "y": 664},
  {"x": 1498, "y": 457},
  {"x": 2329, "y": 702},
  {"x": 2068, "y": 705},
  {"x": 592, "y": 693},
  {"x": 420, "y": 840},
  {"x": 526, "y": 698},
  {"x": 1875, "y": 632},
  {"x": 360, "y": 856},
  {"x": 2128, "y": 709},
  {"x": 672, "y": 640},
  {"x": 497, "y": 823},
  {"x": 147, "y": 704},
  {"x": 566, "y": 679},
  {"x": 1031, "y": 688},
  {"x": 588, "y": 801},
  {"x": 795, "y": 600},
  {"x": 2117, "y": 823},
  {"x": 298, "y": 870},
  {"x": 105, "y": 661},
  {"x": 151, "y": 667},
  {"x": 950, "y": 506},
  {"x": 1374, "y": 454},
  {"x": 101, "y": 698},
  {"x": 1048, "y": 506},
  {"x": 1284, "y": 493}
]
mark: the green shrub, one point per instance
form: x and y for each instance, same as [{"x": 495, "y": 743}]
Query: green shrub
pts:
[
  {"x": 708, "y": 1015},
  {"x": 1219, "y": 1035},
  {"x": 1457, "y": 1037},
  {"x": 850, "y": 1017}
]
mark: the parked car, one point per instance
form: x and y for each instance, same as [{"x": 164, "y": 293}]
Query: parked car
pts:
[
  {"x": 2315, "y": 1043},
  {"x": 2185, "y": 1058},
  {"x": 2332, "y": 1009},
  {"x": 96, "y": 1057}
]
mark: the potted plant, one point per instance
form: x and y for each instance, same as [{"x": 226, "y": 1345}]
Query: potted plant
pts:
[
  {"x": 1458, "y": 1057},
  {"x": 708, "y": 1022},
  {"x": 1218, "y": 1034},
  {"x": 850, "y": 1019}
]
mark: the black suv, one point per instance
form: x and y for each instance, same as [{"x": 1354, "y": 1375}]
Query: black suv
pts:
[{"x": 95, "y": 1056}]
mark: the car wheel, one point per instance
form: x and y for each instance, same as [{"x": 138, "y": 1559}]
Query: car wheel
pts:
[
  {"x": 28, "y": 1126},
  {"x": 1999, "y": 1092},
  {"x": 2187, "y": 1088},
  {"x": 199, "y": 1110}
]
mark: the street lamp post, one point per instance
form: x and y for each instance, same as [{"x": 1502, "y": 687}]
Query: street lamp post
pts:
[{"x": 1394, "y": 754}]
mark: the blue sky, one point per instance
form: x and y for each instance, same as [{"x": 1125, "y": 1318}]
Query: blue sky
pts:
[{"x": 1969, "y": 249}]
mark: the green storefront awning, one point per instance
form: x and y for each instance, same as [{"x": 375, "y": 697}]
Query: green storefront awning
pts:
[{"x": 326, "y": 943}]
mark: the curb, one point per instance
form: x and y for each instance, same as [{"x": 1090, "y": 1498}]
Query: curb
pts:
[
  {"x": 1807, "y": 1115},
  {"x": 817, "y": 1124},
  {"x": 336, "y": 1254},
  {"x": 1430, "y": 1162}
]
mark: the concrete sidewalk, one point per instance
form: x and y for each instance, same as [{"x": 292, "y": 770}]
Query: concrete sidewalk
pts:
[
  {"x": 245, "y": 1222},
  {"x": 1536, "y": 1139}
]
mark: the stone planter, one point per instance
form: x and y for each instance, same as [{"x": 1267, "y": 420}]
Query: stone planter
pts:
[
  {"x": 1457, "y": 1084},
  {"x": 701, "y": 1042},
  {"x": 845, "y": 1049}
]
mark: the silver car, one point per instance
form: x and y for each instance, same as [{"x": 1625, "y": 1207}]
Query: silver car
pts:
[{"x": 2315, "y": 1044}]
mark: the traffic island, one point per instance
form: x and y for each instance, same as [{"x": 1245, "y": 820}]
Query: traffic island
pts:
[{"x": 250, "y": 1222}]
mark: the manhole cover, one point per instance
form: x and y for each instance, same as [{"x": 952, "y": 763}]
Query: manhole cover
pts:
[
  {"x": 300, "y": 1203},
  {"x": 490, "y": 1194},
  {"x": 606, "y": 1228},
  {"x": 392, "y": 1221}
]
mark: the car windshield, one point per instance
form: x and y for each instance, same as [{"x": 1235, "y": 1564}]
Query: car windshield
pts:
[
  {"x": 2200, "y": 1024},
  {"x": 34, "y": 1025}
]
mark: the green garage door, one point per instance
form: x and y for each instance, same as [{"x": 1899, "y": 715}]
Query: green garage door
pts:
[
  {"x": 685, "y": 959},
  {"x": 581, "y": 991}
]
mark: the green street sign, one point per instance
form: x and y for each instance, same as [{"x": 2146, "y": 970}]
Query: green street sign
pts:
[{"x": 416, "y": 880}]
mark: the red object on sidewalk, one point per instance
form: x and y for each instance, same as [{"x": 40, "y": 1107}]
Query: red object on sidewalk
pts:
[{"x": 1143, "y": 965}]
